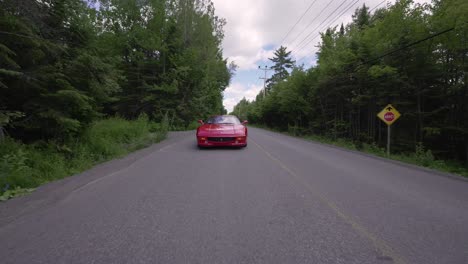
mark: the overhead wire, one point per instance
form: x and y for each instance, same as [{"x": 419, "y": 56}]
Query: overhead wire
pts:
[
  {"x": 323, "y": 21},
  {"x": 297, "y": 22},
  {"x": 347, "y": 8},
  {"x": 388, "y": 53},
  {"x": 406, "y": 46},
  {"x": 377, "y": 5},
  {"x": 308, "y": 25}
]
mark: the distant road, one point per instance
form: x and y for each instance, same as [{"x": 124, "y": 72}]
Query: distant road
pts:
[{"x": 280, "y": 200}]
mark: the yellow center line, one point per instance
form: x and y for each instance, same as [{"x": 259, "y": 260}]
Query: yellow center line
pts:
[{"x": 379, "y": 244}]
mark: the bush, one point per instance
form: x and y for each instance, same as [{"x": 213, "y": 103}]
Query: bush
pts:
[
  {"x": 374, "y": 149},
  {"x": 192, "y": 126},
  {"x": 14, "y": 168},
  {"x": 26, "y": 166},
  {"x": 422, "y": 156}
]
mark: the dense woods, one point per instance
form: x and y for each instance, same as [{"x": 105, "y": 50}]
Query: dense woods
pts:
[
  {"x": 85, "y": 81},
  {"x": 67, "y": 63},
  {"x": 412, "y": 56}
]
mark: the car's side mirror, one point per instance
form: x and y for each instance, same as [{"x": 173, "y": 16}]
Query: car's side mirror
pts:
[
  {"x": 200, "y": 122},
  {"x": 245, "y": 122}
]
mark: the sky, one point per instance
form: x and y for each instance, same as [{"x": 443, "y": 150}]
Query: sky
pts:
[{"x": 256, "y": 28}]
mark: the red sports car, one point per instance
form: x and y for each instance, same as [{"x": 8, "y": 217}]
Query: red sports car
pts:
[{"x": 223, "y": 130}]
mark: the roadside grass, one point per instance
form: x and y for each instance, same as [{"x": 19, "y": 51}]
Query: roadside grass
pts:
[
  {"x": 420, "y": 157},
  {"x": 26, "y": 166},
  {"x": 191, "y": 126}
]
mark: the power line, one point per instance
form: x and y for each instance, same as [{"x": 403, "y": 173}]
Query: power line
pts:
[
  {"x": 377, "y": 5},
  {"x": 347, "y": 8},
  {"x": 406, "y": 46},
  {"x": 323, "y": 21},
  {"x": 323, "y": 9},
  {"x": 350, "y": 71},
  {"x": 297, "y": 22}
]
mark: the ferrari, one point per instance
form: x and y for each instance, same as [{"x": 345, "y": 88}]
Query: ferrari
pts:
[{"x": 222, "y": 130}]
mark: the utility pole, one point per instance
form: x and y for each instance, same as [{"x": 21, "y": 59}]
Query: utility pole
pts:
[{"x": 265, "y": 69}]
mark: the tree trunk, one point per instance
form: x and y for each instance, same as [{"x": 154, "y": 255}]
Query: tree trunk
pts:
[
  {"x": 419, "y": 114},
  {"x": 334, "y": 129},
  {"x": 466, "y": 151},
  {"x": 379, "y": 140},
  {"x": 2, "y": 134}
]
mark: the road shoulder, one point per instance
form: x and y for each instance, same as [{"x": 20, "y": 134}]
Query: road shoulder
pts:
[
  {"x": 396, "y": 162},
  {"x": 52, "y": 192}
]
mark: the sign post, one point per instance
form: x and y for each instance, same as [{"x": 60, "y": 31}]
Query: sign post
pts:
[
  {"x": 389, "y": 130},
  {"x": 389, "y": 115}
]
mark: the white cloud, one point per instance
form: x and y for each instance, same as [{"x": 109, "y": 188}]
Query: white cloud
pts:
[
  {"x": 255, "y": 28},
  {"x": 253, "y": 25},
  {"x": 236, "y": 91},
  {"x": 251, "y": 62}
]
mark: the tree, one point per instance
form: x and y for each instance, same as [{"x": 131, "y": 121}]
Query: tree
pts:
[
  {"x": 342, "y": 30},
  {"x": 242, "y": 109},
  {"x": 47, "y": 47},
  {"x": 282, "y": 63},
  {"x": 64, "y": 64},
  {"x": 355, "y": 76},
  {"x": 361, "y": 17}
]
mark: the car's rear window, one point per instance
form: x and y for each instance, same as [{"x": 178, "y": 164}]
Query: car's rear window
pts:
[{"x": 223, "y": 120}]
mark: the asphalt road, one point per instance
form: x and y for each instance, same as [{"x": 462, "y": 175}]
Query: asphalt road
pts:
[{"x": 280, "y": 200}]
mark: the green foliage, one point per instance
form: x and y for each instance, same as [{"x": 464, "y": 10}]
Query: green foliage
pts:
[
  {"x": 6, "y": 118},
  {"x": 14, "y": 193},
  {"x": 106, "y": 138},
  {"x": 24, "y": 166},
  {"x": 74, "y": 64},
  {"x": 282, "y": 63},
  {"x": 66, "y": 68},
  {"x": 373, "y": 148},
  {"x": 192, "y": 126},
  {"x": 421, "y": 156},
  {"x": 14, "y": 168},
  {"x": 352, "y": 81}
]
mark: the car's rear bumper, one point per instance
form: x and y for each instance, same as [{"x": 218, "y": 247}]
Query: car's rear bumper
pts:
[{"x": 222, "y": 141}]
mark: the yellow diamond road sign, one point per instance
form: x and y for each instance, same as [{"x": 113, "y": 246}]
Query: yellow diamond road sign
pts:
[{"x": 389, "y": 115}]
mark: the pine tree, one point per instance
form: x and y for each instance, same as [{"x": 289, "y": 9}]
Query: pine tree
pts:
[{"x": 282, "y": 63}]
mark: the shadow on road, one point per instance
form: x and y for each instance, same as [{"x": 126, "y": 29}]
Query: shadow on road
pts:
[{"x": 217, "y": 148}]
